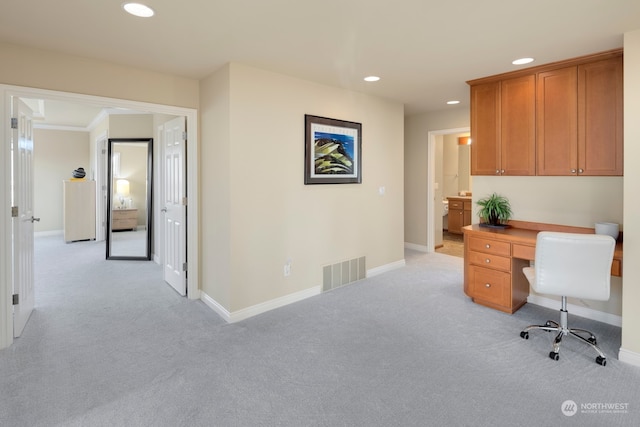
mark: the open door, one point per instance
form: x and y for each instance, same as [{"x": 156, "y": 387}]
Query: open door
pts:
[
  {"x": 174, "y": 205},
  {"x": 22, "y": 213}
]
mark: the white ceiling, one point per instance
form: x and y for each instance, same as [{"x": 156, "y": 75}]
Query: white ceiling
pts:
[{"x": 424, "y": 50}]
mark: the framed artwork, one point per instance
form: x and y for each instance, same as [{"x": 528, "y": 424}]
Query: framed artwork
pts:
[{"x": 332, "y": 153}]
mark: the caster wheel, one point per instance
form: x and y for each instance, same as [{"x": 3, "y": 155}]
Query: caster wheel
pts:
[
  {"x": 553, "y": 355},
  {"x": 593, "y": 341},
  {"x": 524, "y": 335},
  {"x": 602, "y": 361}
]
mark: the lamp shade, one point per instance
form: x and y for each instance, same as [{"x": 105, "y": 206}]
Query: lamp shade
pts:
[{"x": 122, "y": 187}]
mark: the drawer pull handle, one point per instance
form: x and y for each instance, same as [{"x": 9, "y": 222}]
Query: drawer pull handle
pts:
[
  {"x": 487, "y": 260},
  {"x": 487, "y": 285},
  {"x": 487, "y": 246}
]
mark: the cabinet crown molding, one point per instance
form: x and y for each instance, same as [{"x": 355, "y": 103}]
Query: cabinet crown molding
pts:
[{"x": 550, "y": 66}]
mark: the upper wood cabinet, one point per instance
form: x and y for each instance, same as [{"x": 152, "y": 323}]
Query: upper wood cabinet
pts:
[
  {"x": 600, "y": 118},
  {"x": 563, "y": 118},
  {"x": 503, "y": 127},
  {"x": 557, "y": 119},
  {"x": 580, "y": 119}
]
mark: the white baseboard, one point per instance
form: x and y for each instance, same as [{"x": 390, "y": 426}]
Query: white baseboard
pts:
[
  {"x": 387, "y": 267},
  {"x": 254, "y": 310},
  {"x": 629, "y": 357},
  {"x": 420, "y": 248},
  {"x": 588, "y": 313}
]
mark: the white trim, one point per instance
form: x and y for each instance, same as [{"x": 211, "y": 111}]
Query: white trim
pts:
[
  {"x": 385, "y": 268},
  {"x": 577, "y": 310},
  {"x": 193, "y": 233},
  {"x": 254, "y": 310},
  {"x": 431, "y": 177},
  {"x": 420, "y": 248},
  {"x": 628, "y": 356}
]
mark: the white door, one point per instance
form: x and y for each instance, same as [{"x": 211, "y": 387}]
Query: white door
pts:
[
  {"x": 100, "y": 165},
  {"x": 173, "y": 204},
  {"x": 22, "y": 200}
]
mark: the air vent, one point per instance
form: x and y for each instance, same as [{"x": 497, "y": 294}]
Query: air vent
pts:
[{"x": 343, "y": 273}]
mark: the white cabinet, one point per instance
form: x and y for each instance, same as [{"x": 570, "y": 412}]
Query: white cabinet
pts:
[{"x": 79, "y": 210}]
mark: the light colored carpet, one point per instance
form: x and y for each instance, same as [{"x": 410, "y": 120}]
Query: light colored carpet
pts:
[{"x": 111, "y": 345}]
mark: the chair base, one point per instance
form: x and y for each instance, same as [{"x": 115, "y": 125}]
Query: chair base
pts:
[{"x": 563, "y": 330}]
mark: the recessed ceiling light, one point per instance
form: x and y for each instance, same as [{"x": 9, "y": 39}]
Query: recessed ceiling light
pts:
[
  {"x": 453, "y": 102},
  {"x": 522, "y": 61},
  {"x": 371, "y": 79},
  {"x": 138, "y": 9}
]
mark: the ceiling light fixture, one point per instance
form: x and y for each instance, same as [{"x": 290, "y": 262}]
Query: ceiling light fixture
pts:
[
  {"x": 138, "y": 9},
  {"x": 371, "y": 79},
  {"x": 453, "y": 102},
  {"x": 522, "y": 61}
]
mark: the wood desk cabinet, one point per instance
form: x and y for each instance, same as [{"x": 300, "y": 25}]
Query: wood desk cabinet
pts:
[
  {"x": 494, "y": 259},
  {"x": 492, "y": 277},
  {"x": 124, "y": 219}
]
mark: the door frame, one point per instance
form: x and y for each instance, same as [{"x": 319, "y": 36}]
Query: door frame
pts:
[
  {"x": 431, "y": 178},
  {"x": 6, "y": 92}
]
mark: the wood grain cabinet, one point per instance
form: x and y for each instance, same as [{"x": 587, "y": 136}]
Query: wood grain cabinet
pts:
[
  {"x": 459, "y": 214},
  {"x": 579, "y": 119},
  {"x": 124, "y": 219},
  {"x": 503, "y": 127},
  {"x": 563, "y": 118},
  {"x": 492, "y": 277}
]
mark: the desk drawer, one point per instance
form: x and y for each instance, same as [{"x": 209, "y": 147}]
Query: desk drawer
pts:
[
  {"x": 524, "y": 252},
  {"x": 489, "y": 246},
  {"x": 491, "y": 286},
  {"x": 490, "y": 261}
]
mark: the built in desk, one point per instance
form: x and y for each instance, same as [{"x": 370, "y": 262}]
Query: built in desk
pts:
[{"x": 494, "y": 258}]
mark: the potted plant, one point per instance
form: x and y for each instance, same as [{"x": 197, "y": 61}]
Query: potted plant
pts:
[{"x": 495, "y": 211}]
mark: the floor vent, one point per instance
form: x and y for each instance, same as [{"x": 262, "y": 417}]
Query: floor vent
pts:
[{"x": 343, "y": 273}]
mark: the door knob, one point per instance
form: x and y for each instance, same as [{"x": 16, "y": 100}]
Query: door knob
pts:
[
  {"x": 33, "y": 219},
  {"x": 163, "y": 210}
]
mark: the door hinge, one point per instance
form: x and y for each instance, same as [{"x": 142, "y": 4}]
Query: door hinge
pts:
[
  {"x": 14, "y": 211},
  {"x": 16, "y": 299},
  {"x": 184, "y": 201},
  {"x": 14, "y": 123},
  {"x": 184, "y": 266},
  {"x": 184, "y": 136}
]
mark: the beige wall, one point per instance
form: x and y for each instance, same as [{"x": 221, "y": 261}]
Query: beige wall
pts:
[
  {"x": 215, "y": 186},
  {"x": 272, "y": 215},
  {"x": 55, "y": 71},
  {"x": 631, "y": 290},
  {"x": 56, "y": 155}
]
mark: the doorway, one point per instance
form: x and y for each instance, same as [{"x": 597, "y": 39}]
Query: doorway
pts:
[
  {"x": 10, "y": 92},
  {"x": 435, "y": 206}
]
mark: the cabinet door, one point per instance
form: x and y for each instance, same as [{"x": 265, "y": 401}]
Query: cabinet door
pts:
[
  {"x": 600, "y": 139},
  {"x": 557, "y": 122},
  {"x": 518, "y": 126},
  {"x": 455, "y": 221},
  {"x": 485, "y": 129}
]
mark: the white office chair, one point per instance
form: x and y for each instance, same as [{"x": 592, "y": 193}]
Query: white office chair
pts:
[{"x": 571, "y": 265}]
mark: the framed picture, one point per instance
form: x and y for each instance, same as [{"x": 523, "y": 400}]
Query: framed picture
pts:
[{"x": 332, "y": 151}]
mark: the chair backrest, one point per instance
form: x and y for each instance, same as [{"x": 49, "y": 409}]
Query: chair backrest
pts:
[{"x": 574, "y": 265}]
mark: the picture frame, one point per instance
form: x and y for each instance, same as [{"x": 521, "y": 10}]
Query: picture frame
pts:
[{"x": 333, "y": 151}]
